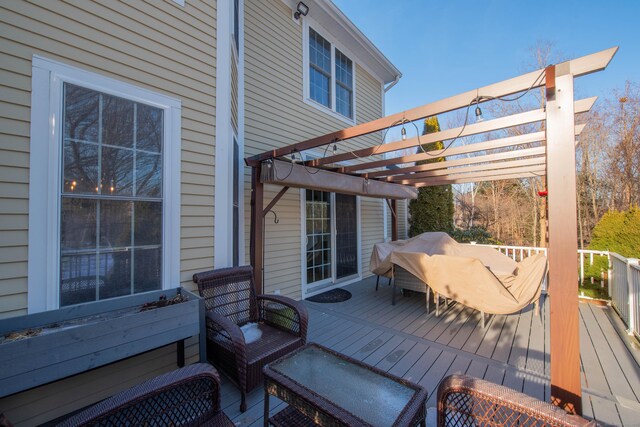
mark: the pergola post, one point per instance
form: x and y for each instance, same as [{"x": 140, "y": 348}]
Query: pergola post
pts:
[
  {"x": 563, "y": 240},
  {"x": 257, "y": 226}
]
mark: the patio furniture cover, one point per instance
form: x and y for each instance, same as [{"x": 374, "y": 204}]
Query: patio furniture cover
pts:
[
  {"x": 468, "y": 281},
  {"x": 438, "y": 243}
]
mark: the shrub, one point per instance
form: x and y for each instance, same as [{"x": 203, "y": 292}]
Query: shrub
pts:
[{"x": 618, "y": 232}]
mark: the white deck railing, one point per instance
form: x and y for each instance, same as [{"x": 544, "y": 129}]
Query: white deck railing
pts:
[{"x": 623, "y": 278}]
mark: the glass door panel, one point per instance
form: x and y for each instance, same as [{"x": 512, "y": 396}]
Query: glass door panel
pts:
[
  {"x": 346, "y": 236},
  {"x": 318, "y": 212}
]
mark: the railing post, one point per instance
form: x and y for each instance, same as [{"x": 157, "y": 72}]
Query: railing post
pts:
[
  {"x": 633, "y": 296},
  {"x": 609, "y": 273}
]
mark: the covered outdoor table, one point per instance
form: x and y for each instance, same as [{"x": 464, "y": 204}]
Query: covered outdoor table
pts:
[{"x": 438, "y": 243}]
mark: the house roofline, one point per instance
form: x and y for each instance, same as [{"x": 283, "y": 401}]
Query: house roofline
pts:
[{"x": 327, "y": 14}]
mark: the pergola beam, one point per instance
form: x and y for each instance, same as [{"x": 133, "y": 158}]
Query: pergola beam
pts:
[
  {"x": 510, "y": 141},
  {"x": 519, "y": 119},
  {"x": 449, "y": 166},
  {"x": 496, "y": 177},
  {"x": 532, "y": 170},
  {"x": 462, "y": 171},
  {"x": 579, "y": 66}
]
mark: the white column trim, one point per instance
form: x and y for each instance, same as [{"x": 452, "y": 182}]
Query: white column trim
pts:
[
  {"x": 223, "y": 198},
  {"x": 241, "y": 118}
]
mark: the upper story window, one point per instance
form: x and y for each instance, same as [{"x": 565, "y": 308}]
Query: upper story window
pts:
[{"x": 329, "y": 77}]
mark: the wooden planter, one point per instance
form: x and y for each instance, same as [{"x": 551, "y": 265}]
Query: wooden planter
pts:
[{"x": 94, "y": 334}]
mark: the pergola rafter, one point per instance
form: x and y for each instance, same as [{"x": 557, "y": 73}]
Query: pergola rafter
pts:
[{"x": 549, "y": 153}]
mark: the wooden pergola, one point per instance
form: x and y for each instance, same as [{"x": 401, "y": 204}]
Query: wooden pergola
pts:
[{"x": 549, "y": 153}]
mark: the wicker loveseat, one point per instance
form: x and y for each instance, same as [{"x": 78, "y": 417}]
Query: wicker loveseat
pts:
[
  {"x": 231, "y": 302},
  {"x": 189, "y": 396},
  {"x": 468, "y": 401}
]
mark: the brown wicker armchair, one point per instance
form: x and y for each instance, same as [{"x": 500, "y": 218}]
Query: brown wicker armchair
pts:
[
  {"x": 231, "y": 302},
  {"x": 468, "y": 401},
  {"x": 189, "y": 396}
]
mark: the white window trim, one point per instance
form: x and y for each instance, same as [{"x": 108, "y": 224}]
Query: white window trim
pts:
[
  {"x": 306, "y": 98},
  {"x": 48, "y": 77},
  {"x": 223, "y": 198}
]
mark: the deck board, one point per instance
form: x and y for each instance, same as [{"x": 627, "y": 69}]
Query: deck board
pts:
[{"x": 512, "y": 350}]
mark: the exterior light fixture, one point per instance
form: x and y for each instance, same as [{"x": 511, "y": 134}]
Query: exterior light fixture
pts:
[
  {"x": 335, "y": 149},
  {"x": 403, "y": 132},
  {"x": 479, "y": 117},
  {"x": 301, "y": 9}
]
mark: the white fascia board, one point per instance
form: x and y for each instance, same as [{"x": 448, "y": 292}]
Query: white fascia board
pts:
[{"x": 333, "y": 19}]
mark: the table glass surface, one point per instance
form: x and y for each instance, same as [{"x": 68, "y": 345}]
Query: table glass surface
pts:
[{"x": 376, "y": 399}]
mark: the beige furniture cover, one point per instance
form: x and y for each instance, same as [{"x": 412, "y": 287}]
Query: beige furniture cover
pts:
[
  {"x": 476, "y": 276},
  {"x": 438, "y": 243},
  {"x": 468, "y": 281}
]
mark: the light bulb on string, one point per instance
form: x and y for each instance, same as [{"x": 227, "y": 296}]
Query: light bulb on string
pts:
[{"x": 479, "y": 117}]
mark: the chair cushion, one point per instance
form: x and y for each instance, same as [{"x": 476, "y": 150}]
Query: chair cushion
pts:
[{"x": 273, "y": 340}]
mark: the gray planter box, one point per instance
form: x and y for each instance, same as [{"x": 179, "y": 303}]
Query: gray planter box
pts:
[{"x": 99, "y": 333}]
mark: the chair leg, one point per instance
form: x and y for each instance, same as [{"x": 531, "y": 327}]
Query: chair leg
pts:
[
  {"x": 389, "y": 281},
  {"x": 482, "y": 321},
  {"x": 437, "y": 298},
  {"x": 377, "y": 282},
  {"x": 243, "y": 401}
]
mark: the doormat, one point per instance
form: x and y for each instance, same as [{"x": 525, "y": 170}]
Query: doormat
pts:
[{"x": 334, "y": 295}]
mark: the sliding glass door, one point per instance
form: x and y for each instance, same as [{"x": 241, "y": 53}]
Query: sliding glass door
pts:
[{"x": 331, "y": 237}]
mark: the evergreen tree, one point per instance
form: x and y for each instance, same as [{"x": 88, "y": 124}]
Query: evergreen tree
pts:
[{"x": 433, "y": 209}]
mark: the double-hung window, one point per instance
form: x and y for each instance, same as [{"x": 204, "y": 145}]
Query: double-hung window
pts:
[
  {"x": 110, "y": 151},
  {"x": 111, "y": 196},
  {"x": 330, "y": 76}
]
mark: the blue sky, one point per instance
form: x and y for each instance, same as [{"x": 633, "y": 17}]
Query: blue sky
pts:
[{"x": 447, "y": 47}]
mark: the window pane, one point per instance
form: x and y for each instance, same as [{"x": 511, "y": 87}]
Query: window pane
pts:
[
  {"x": 344, "y": 70},
  {"x": 78, "y": 279},
  {"x": 81, "y": 114},
  {"x": 319, "y": 52},
  {"x": 147, "y": 274},
  {"x": 115, "y": 268},
  {"x": 77, "y": 224},
  {"x": 80, "y": 167},
  {"x": 115, "y": 224},
  {"x": 149, "y": 128},
  {"x": 148, "y": 223},
  {"x": 344, "y": 101},
  {"x": 117, "y": 172},
  {"x": 319, "y": 87},
  {"x": 117, "y": 121},
  {"x": 148, "y": 175}
]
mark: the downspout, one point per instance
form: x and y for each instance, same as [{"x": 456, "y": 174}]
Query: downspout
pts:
[{"x": 393, "y": 83}]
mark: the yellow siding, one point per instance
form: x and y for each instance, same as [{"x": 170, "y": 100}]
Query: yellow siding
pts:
[
  {"x": 275, "y": 116},
  {"x": 159, "y": 46}
]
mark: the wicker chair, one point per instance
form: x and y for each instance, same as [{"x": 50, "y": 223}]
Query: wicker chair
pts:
[
  {"x": 189, "y": 396},
  {"x": 468, "y": 401},
  {"x": 231, "y": 302}
]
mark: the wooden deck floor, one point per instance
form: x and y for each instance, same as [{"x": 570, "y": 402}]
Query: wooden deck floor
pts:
[{"x": 512, "y": 350}]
